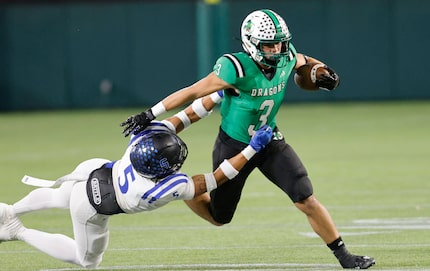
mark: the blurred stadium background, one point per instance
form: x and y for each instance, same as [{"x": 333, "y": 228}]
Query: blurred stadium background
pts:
[
  {"x": 71, "y": 71},
  {"x": 104, "y": 54}
]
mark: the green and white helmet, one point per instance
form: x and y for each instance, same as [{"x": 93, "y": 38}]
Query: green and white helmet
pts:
[{"x": 265, "y": 26}]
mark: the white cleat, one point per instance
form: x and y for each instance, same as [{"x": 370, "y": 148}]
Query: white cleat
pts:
[{"x": 10, "y": 225}]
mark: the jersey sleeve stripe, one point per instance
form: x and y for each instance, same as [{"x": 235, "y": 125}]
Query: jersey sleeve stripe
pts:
[
  {"x": 167, "y": 189},
  {"x": 240, "y": 71},
  {"x": 164, "y": 191},
  {"x": 164, "y": 182}
]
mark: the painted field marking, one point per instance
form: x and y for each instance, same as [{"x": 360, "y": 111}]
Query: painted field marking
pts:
[
  {"x": 217, "y": 267},
  {"x": 381, "y": 226},
  {"x": 287, "y": 246},
  {"x": 391, "y": 225},
  {"x": 226, "y": 267}
]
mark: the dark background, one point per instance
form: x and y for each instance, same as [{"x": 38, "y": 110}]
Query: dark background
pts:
[{"x": 98, "y": 54}]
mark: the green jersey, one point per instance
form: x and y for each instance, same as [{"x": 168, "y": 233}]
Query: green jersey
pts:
[{"x": 259, "y": 98}]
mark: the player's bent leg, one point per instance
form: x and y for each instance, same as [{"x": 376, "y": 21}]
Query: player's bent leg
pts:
[
  {"x": 319, "y": 218},
  {"x": 45, "y": 198},
  {"x": 55, "y": 245},
  {"x": 58, "y": 246},
  {"x": 200, "y": 206},
  {"x": 224, "y": 199},
  {"x": 90, "y": 228},
  {"x": 98, "y": 239},
  {"x": 322, "y": 223}
]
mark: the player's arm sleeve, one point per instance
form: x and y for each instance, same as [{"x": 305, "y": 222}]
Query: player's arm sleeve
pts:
[
  {"x": 225, "y": 68},
  {"x": 188, "y": 189}
]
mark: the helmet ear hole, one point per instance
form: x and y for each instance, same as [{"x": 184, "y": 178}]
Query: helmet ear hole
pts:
[{"x": 158, "y": 154}]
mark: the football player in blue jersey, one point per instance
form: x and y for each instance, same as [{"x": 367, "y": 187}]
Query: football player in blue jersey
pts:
[{"x": 145, "y": 178}]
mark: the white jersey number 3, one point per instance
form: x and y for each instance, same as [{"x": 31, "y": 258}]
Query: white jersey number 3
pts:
[{"x": 265, "y": 107}]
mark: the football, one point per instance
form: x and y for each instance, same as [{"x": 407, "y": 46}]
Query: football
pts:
[{"x": 307, "y": 75}]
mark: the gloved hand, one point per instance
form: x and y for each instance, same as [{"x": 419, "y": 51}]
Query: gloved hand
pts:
[
  {"x": 328, "y": 82},
  {"x": 261, "y": 138},
  {"x": 137, "y": 123}
]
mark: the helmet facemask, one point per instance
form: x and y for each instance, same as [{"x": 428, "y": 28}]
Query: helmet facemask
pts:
[
  {"x": 274, "y": 60},
  {"x": 265, "y": 27}
]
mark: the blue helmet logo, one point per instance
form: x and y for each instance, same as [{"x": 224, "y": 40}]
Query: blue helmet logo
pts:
[{"x": 158, "y": 154}]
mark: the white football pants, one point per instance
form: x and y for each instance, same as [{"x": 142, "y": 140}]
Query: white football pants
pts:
[{"x": 91, "y": 234}]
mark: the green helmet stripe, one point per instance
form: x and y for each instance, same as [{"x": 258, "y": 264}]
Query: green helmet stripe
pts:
[{"x": 274, "y": 20}]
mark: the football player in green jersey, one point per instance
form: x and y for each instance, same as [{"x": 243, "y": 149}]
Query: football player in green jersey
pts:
[{"x": 252, "y": 86}]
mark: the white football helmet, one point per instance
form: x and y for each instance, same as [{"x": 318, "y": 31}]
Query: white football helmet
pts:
[{"x": 265, "y": 26}]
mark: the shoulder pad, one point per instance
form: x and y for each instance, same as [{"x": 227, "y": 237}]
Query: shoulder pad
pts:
[{"x": 240, "y": 71}]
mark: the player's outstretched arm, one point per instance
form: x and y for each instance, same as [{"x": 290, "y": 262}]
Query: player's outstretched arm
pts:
[
  {"x": 228, "y": 169},
  {"x": 198, "y": 110},
  {"x": 209, "y": 84}
]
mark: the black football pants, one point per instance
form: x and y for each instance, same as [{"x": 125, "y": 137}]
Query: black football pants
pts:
[{"x": 277, "y": 161}]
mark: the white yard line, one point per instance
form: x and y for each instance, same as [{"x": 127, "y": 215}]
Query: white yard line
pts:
[
  {"x": 287, "y": 246},
  {"x": 374, "y": 226},
  {"x": 380, "y": 226},
  {"x": 217, "y": 267},
  {"x": 226, "y": 267}
]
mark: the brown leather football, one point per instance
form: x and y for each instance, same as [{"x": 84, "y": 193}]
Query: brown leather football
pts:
[{"x": 307, "y": 75}]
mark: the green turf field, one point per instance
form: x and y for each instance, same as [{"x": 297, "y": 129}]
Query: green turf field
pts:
[{"x": 369, "y": 162}]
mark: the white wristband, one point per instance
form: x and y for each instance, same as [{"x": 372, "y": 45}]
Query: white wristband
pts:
[
  {"x": 248, "y": 152},
  {"x": 199, "y": 108},
  {"x": 229, "y": 171},
  {"x": 184, "y": 118},
  {"x": 215, "y": 97},
  {"x": 158, "y": 109},
  {"x": 210, "y": 182}
]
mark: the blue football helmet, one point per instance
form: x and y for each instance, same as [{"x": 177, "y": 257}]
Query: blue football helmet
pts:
[{"x": 158, "y": 154}]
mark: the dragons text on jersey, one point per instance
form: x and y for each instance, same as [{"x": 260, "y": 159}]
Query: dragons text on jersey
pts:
[
  {"x": 258, "y": 97},
  {"x": 268, "y": 91}
]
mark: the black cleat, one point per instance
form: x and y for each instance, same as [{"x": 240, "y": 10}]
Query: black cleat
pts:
[{"x": 357, "y": 262}]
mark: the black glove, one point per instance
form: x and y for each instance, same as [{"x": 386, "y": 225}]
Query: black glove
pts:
[
  {"x": 328, "y": 82},
  {"x": 137, "y": 123}
]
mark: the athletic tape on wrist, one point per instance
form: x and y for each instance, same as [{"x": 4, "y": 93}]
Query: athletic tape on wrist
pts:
[
  {"x": 184, "y": 118},
  {"x": 158, "y": 109},
  {"x": 210, "y": 182},
  {"x": 248, "y": 152},
  {"x": 215, "y": 97},
  {"x": 229, "y": 171},
  {"x": 199, "y": 109}
]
